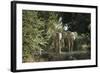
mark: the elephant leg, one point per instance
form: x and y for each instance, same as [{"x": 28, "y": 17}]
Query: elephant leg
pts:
[
  {"x": 69, "y": 45},
  {"x": 60, "y": 46},
  {"x": 72, "y": 44}
]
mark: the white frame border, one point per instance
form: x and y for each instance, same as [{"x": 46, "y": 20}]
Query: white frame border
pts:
[{"x": 21, "y": 65}]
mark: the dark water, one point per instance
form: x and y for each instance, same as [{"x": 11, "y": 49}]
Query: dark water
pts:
[{"x": 65, "y": 57}]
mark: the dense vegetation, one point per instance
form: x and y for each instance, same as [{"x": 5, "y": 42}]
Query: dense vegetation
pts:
[{"x": 38, "y": 27}]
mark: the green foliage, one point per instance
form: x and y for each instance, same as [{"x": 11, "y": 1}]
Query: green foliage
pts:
[{"x": 37, "y": 29}]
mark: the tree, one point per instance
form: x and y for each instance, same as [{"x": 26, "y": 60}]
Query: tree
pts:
[{"x": 38, "y": 27}]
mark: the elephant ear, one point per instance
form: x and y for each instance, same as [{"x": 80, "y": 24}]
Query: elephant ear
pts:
[
  {"x": 60, "y": 36},
  {"x": 74, "y": 34},
  {"x": 64, "y": 34}
]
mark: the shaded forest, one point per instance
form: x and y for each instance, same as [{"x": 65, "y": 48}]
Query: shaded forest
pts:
[{"x": 41, "y": 38}]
